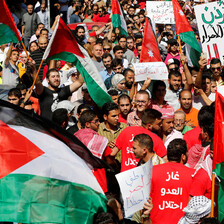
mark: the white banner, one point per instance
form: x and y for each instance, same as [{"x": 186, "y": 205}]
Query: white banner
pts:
[
  {"x": 154, "y": 70},
  {"x": 210, "y": 20},
  {"x": 160, "y": 11},
  {"x": 135, "y": 187}
]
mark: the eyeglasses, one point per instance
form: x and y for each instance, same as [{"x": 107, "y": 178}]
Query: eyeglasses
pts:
[
  {"x": 100, "y": 11},
  {"x": 130, "y": 27},
  {"x": 173, "y": 45},
  {"x": 97, "y": 121},
  {"x": 106, "y": 49},
  {"x": 217, "y": 68},
  {"x": 176, "y": 121},
  {"x": 141, "y": 101}
]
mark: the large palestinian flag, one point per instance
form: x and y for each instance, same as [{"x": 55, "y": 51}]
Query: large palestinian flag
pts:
[
  {"x": 42, "y": 179},
  {"x": 186, "y": 33},
  {"x": 8, "y": 30},
  {"x": 63, "y": 46}
]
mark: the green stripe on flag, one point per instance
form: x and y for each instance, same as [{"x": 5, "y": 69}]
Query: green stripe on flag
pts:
[
  {"x": 116, "y": 21},
  {"x": 7, "y": 35},
  {"x": 99, "y": 96},
  {"x": 34, "y": 199},
  {"x": 219, "y": 170}
]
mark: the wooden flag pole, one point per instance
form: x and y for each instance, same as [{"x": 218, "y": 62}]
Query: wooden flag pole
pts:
[
  {"x": 25, "y": 51},
  {"x": 213, "y": 195},
  {"x": 179, "y": 42},
  {"x": 35, "y": 79}
]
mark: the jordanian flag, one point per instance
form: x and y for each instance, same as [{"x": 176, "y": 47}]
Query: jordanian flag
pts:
[
  {"x": 42, "y": 179},
  {"x": 186, "y": 33},
  {"x": 218, "y": 151},
  {"x": 8, "y": 30},
  {"x": 118, "y": 18},
  {"x": 63, "y": 46}
]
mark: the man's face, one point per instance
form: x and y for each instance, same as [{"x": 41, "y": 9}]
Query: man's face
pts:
[
  {"x": 168, "y": 28},
  {"x": 40, "y": 27},
  {"x": 216, "y": 70},
  {"x": 107, "y": 62},
  {"x": 42, "y": 43},
  {"x": 129, "y": 79},
  {"x": 23, "y": 93},
  {"x": 160, "y": 92},
  {"x": 95, "y": 9},
  {"x": 100, "y": 11},
  {"x": 81, "y": 34},
  {"x": 131, "y": 11},
  {"x": 95, "y": 28},
  {"x": 179, "y": 121},
  {"x": 175, "y": 82},
  {"x": 139, "y": 49},
  {"x": 97, "y": 51},
  {"x": 130, "y": 44},
  {"x": 125, "y": 106},
  {"x": 123, "y": 42},
  {"x": 112, "y": 118},
  {"x": 206, "y": 86},
  {"x": 94, "y": 124},
  {"x": 13, "y": 99},
  {"x": 42, "y": 7},
  {"x": 91, "y": 41},
  {"x": 86, "y": 96},
  {"x": 167, "y": 126},
  {"x": 115, "y": 98},
  {"x": 156, "y": 126},
  {"x": 213, "y": 87},
  {"x": 142, "y": 18},
  {"x": 186, "y": 100},
  {"x": 44, "y": 33},
  {"x": 54, "y": 79},
  {"x": 142, "y": 102},
  {"x": 14, "y": 56},
  {"x": 30, "y": 9},
  {"x": 136, "y": 20},
  {"x": 118, "y": 69},
  {"x": 173, "y": 67},
  {"x": 194, "y": 75},
  {"x": 137, "y": 150},
  {"x": 119, "y": 54}
]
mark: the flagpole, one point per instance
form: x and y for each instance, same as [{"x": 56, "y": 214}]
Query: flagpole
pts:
[
  {"x": 213, "y": 195},
  {"x": 179, "y": 44},
  {"x": 35, "y": 79},
  {"x": 26, "y": 51}
]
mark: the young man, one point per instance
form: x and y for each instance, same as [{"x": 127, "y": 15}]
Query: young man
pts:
[
  {"x": 114, "y": 95},
  {"x": 14, "y": 96},
  {"x": 108, "y": 72},
  {"x": 142, "y": 103},
  {"x": 170, "y": 185},
  {"x": 124, "y": 103},
  {"x": 10, "y": 72},
  {"x": 119, "y": 53}
]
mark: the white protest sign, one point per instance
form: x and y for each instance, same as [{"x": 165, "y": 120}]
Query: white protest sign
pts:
[
  {"x": 135, "y": 187},
  {"x": 210, "y": 20},
  {"x": 160, "y": 11},
  {"x": 154, "y": 70}
]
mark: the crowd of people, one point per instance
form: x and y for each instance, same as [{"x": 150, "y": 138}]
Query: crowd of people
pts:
[{"x": 170, "y": 122}]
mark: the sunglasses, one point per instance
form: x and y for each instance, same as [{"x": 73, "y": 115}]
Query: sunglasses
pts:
[
  {"x": 130, "y": 27},
  {"x": 218, "y": 68},
  {"x": 106, "y": 49}
]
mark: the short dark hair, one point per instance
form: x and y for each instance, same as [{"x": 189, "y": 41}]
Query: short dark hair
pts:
[
  {"x": 113, "y": 92},
  {"x": 49, "y": 71},
  {"x": 107, "y": 107},
  {"x": 143, "y": 92},
  {"x": 87, "y": 116},
  {"x": 105, "y": 55},
  {"x": 83, "y": 106},
  {"x": 215, "y": 61},
  {"x": 210, "y": 221},
  {"x": 89, "y": 12},
  {"x": 175, "y": 73},
  {"x": 156, "y": 84},
  {"x": 145, "y": 141},
  {"x": 127, "y": 70},
  {"x": 123, "y": 96},
  {"x": 115, "y": 62},
  {"x": 122, "y": 36},
  {"x": 176, "y": 149},
  {"x": 60, "y": 116},
  {"x": 44, "y": 29},
  {"x": 105, "y": 218},
  {"x": 38, "y": 23},
  {"x": 130, "y": 38},
  {"x": 150, "y": 115},
  {"x": 205, "y": 115},
  {"x": 21, "y": 86},
  {"x": 117, "y": 48},
  {"x": 15, "y": 92}
]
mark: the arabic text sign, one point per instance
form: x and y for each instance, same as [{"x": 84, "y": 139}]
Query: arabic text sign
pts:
[
  {"x": 135, "y": 187},
  {"x": 210, "y": 20},
  {"x": 154, "y": 70},
  {"x": 160, "y": 11}
]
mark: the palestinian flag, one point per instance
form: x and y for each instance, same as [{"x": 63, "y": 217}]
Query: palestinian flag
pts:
[
  {"x": 8, "y": 30},
  {"x": 42, "y": 179},
  {"x": 218, "y": 150},
  {"x": 63, "y": 46},
  {"x": 186, "y": 33},
  {"x": 118, "y": 20},
  {"x": 150, "y": 51}
]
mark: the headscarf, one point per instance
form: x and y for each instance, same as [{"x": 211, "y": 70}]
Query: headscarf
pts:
[
  {"x": 197, "y": 208},
  {"x": 117, "y": 78}
]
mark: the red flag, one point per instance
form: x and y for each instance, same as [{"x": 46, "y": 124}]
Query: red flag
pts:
[
  {"x": 150, "y": 51},
  {"x": 182, "y": 24},
  {"x": 7, "y": 19},
  {"x": 218, "y": 143}
]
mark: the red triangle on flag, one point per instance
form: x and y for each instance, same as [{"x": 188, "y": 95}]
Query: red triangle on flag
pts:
[
  {"x": 115, "y": 7},
  {"x": 15, "y": 150},
  {"x": 7, "y": 18},
  {"x": 150, "y": 51},
  {"x": 182, "y": 24},
  {"x": 64, "y": 41}
]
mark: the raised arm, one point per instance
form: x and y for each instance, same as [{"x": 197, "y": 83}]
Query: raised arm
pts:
[
  {"x": 77, "y": 84},
  {"x": 202, "y": 63},
  {"x": 8, "y": 55}
]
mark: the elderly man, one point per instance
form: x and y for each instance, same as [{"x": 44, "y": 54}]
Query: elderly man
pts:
[{"x": 180, "y": 122}]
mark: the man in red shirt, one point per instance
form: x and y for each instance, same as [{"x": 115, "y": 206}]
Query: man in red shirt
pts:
[
  {"x": 124, "y": 103},
  {"x": 170, "y": 186},
  {"x": 102, "y": 16},
  {"x": 125, "y": 140}
]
